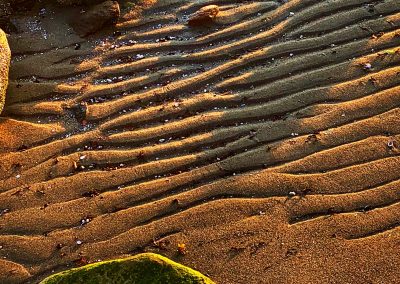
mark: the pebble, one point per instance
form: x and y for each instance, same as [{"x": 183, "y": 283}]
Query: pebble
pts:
[
  {"x": 367, "y": 66},
  {"x": 85, "y": 221}
]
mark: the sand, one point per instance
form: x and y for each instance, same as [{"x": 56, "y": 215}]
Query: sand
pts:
[{"x": 267, "y": 141}]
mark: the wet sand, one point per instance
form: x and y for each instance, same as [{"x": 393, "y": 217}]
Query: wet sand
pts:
[{"x": 267, "y": 141}]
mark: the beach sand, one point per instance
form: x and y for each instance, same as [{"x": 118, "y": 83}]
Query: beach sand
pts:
[{"x": 266, "y": 141}]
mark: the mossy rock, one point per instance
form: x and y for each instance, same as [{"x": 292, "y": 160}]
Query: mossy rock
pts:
[
  {"x": 5, "y": 57},
  {"x": 146, "y": 268}
]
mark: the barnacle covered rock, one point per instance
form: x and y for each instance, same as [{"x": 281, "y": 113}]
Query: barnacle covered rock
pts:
[{"x": 5, "y": 57}]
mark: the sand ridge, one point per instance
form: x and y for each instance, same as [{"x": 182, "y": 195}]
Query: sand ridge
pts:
[{"x": 266, "y": 142}]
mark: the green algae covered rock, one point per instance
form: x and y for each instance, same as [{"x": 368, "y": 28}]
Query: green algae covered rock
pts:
[
  {"x": 5, "y": 57},
  {"x": 146, "y": 268}
]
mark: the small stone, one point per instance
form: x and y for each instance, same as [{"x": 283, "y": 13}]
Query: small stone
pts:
[
  {"x": 390, "y": 144},
  {"x": 204, "y": 16},
  {"x": 367, "y": 66},
  {"x": 85, "y": 221}
]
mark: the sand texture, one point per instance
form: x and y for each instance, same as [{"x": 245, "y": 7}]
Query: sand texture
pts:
[{"x": 266, "y": 141}]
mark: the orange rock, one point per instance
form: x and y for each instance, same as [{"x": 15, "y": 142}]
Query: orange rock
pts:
[
  {"x": 5, "y": 57},
  {"x": 204, "y": 16}
]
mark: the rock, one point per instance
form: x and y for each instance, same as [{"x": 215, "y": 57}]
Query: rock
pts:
[
  {"x": 78, "y": 2},
  {"x": 96, "y": 18},
  {"x": 5, "y": 58},
  {"x": 7, "y": 6},
  {"x": 204, "y": 16},
  {"x": 10, "y": 7},
  {"x": 22, "y": 5},
  {"x": 5, "y": 10},
  {"x": 70, "y": 2},
  {"x": 141, "y": 268},
  {"x": 5, "y": 14}
]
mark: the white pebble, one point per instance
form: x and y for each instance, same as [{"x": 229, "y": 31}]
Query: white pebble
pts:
[{"x": 367, "y": 66}]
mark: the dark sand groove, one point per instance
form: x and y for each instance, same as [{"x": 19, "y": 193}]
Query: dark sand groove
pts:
[{"x": 268, "y": 143}]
